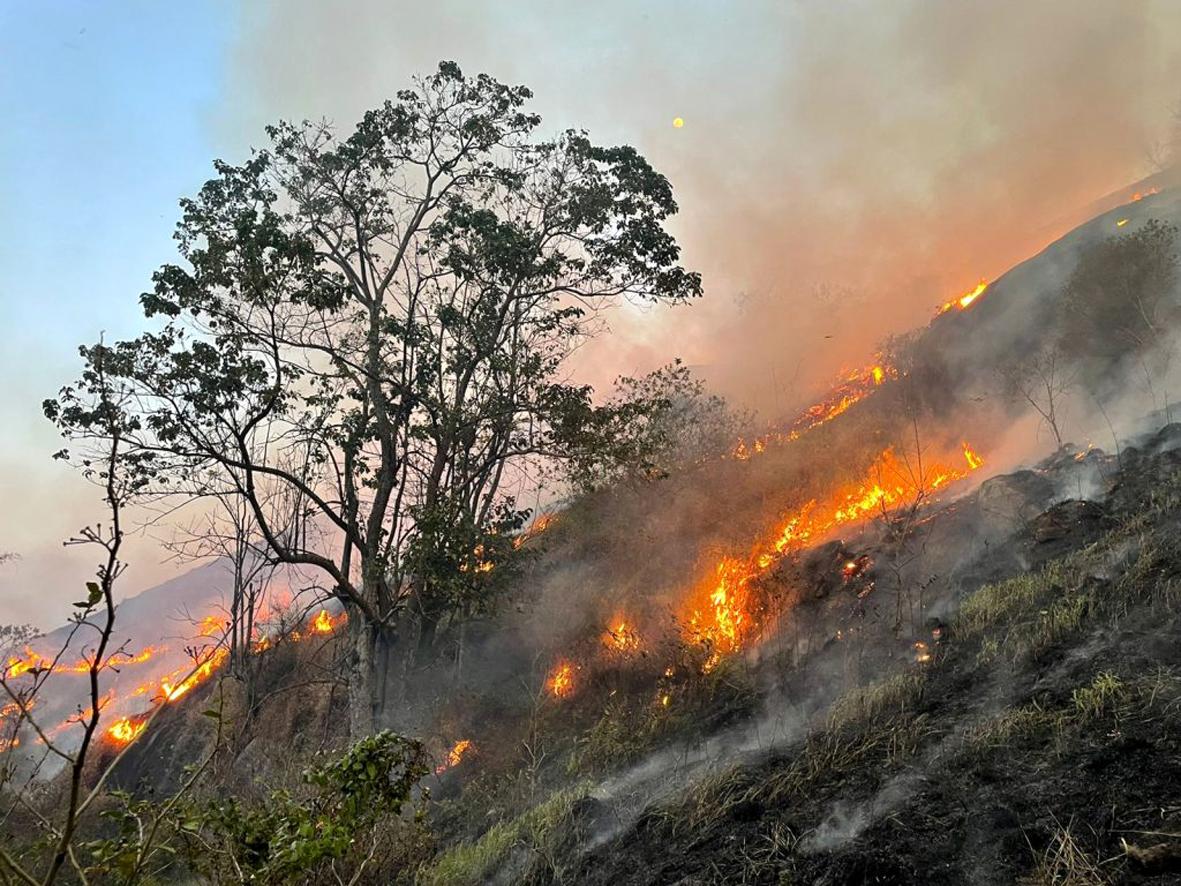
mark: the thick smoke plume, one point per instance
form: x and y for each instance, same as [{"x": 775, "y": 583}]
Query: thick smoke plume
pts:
[{"x": 842, "y": 169}]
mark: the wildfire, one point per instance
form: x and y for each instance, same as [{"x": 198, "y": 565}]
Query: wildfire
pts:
[
  {"x": 974, "y": 461},
  {"x": 126, "y": 730},
  {"x": 1140, "y": 195},
  {"x": 455, "y": 755},
  {"x": 32, "y": 661},
  {"x": 560, "y": 682},
  {"x": 171, "y": 692},
  {"x": 850, "y": 389},
  {"x": 1121, "y": 222},
  {"x": 323, "y": 623},
  {"x": 536, "y": 528},
  {"x": 966, "y": 299},
  {"x": 922, "y": 652},
  {"x": 622, "y": 637},
  {"x": 721, "y": 616},
  {"x": 213, "y": 626}
]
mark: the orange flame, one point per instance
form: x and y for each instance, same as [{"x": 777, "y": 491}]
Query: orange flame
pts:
[
  {"x": 536, "y": 528},
  {"x": 560, "y": 682},
  {"x": 622, "y": 637},
  {"x": 720, "y": 611},
  {"x": 974, "y": 460},
  {"x": 966, "y": 299},
  {"x": 455, "y": 755},
  {"x": 171, "y": 692},
  {"x": 126, "y": 730},
  {"x": 31, "y": 661},
  {"x": 850, "y": 390},
  {"x": 323, "y": 623}
]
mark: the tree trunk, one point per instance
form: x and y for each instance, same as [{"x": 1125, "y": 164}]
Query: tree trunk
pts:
[{"x": 362, "y": 674}]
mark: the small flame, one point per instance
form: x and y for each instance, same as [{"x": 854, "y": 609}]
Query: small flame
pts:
[
  {"x": 126, "y": 730},
  {"x": 171, "y": 692},
  {"x": 322, "y": 623},
  {"x": 922, "y": 652},
  {"x": 622, "y": 637},
  {"x": 974, "y": 460},
  {"x": 455, "y": 755},
  {"x": 1121, "y": 222},
  {"x": 966, "y": 299},
  {"x": 561, "y": 680},
  {"x": 31, "y": 661}
]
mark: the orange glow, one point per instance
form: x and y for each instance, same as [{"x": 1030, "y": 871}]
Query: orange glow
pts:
[
  {"x": 31, "y": 661},
  {"x": 560, "y": 682},
  {"x": 850, "y": 389},
  {"x": 720, "y": 613},
  {"x": 974, "y": 461},
  {"x": 126, "y": 730},
  {"x": 1140, "y": 195},
  {"x": 455, "y": 755},
  {"x": 170, "y": 691},
  {"x": 621, "y": 637},
  {"x": 324, "y": 623},
  {"x": 966, "y": 299}
]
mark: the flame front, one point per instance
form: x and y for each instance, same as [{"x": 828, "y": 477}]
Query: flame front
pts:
[
  {"x": 966, "y": 299},
  {"x": 721, "y": 617},
  {"x": 850, "y": 389}
]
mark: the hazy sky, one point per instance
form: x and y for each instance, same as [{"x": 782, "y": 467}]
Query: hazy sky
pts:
[{"x": 843, "y": 167}]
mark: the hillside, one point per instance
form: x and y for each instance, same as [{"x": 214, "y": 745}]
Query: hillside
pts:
[{"x": 876, "y": 642}]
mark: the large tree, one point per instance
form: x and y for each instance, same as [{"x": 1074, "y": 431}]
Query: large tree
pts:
[{"x": 377, "y": 326}]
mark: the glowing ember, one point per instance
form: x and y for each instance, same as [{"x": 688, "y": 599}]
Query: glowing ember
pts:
[
  {"x": 922, "y": 652},
  {"x": 1121, "y": 222},
  {"x": 455, "y": 755},
  {"x": 126, "y": 730},
  {"x": 622, "y": 637},
  {"x": 966, "y": 299},
  {"x": 560, "y": 682}
]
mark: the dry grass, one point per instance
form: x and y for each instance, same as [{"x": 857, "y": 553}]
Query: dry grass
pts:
[{"x": 1064, "y": 863}]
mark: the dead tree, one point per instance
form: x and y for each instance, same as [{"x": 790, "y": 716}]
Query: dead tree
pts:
[{"x": 1043, "y": 381}]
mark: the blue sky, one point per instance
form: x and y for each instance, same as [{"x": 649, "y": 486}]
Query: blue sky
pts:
[{"x": 106, "y": 112}]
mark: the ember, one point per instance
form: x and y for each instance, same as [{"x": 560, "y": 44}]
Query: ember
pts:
[
  {"x": 622, "y": 637},
  {"x": 560, "y": 682}
]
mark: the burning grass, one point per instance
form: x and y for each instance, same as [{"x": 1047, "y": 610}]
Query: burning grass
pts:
[{"x": 726, "y": 609}]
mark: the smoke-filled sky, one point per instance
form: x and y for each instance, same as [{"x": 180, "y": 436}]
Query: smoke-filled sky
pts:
[{"x": 843, "y": 168}]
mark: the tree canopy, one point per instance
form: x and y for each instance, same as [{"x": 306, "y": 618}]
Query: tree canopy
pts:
[{"x": 364, "y": 339}]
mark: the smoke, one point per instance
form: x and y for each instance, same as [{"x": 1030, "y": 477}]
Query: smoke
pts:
[{"x": 842, "y": 168}]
